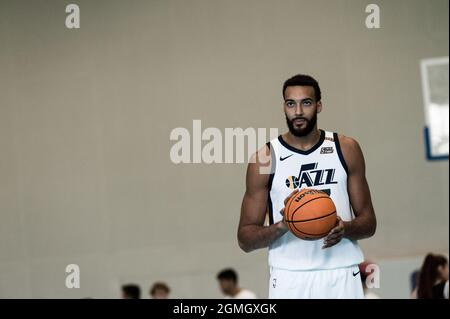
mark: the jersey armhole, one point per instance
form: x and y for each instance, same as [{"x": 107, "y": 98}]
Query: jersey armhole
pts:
[
  {"x": 273, "y": 164},
  {"x": 339, "y": 152}
]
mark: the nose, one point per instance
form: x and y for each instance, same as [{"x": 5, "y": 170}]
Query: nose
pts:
[{"x": 298, "y": 109}]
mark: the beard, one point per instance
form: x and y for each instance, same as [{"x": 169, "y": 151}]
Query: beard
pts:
[{"x": 300, "y": 132}]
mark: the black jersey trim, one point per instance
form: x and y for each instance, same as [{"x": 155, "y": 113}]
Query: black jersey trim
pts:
[
  {"x": 271, "y": 177},
  {"x": 339, "y": 152},
  {"x": 296, "y": 150}
]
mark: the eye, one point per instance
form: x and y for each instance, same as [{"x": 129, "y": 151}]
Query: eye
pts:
[
  {"x": 307, "y": 103},
  {"x": 290, "y": 104}
]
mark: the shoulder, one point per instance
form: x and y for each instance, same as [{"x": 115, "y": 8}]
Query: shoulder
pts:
[
  {"x": 261, "y": 157},
  {"x": 446, "y": 290},
  {"x": 246, "y": 294},
  {"x": 259, "y": 168},
  {"x": 349, "y": 145},
  {"x": 439, "y": 290},
  {"x": 351, "y": 151}
]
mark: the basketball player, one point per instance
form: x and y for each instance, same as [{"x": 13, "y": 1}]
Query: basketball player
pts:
[{"x": 307, "y": 157}]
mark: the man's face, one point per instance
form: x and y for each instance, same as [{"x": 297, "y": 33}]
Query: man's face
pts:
[
  {"x": 160, "y": 294},
  {"x": 443, "y": 272},
  {"x": 301, "y": 108},
  {"x": 226, "y": 286}
]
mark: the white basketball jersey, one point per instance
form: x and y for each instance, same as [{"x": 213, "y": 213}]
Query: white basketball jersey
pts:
[{"x": 322, "y": 167}]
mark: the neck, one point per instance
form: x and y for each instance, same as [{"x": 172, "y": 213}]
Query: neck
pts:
[
  {"x": 437, "y": 281},
  {"x": 304, "y": 142}
]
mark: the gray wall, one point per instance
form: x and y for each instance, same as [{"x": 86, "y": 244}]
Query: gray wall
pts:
[{"x": 85, "y": 118}]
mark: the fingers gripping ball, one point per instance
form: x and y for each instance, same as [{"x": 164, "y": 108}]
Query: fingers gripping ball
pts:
[{"x": 310, "y": 214}]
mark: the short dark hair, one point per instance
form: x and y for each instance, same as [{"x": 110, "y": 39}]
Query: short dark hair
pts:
[
  {"x": 303, "y": 80},
  {"x": 161, "y": 286},
  {"x": 132, "y": 291},
  {"x": 228, "y": 274}
]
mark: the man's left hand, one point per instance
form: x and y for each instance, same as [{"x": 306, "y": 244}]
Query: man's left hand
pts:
[{"x": 335, "y": 235}]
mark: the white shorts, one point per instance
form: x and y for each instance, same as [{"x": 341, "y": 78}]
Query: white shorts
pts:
[{"x": 341, "y": 283}]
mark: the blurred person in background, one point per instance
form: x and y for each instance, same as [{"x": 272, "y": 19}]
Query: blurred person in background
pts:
[
  {"x": 414, "y": 278},
  {"x": 446, "y": 290},
  {"x": 228, "y": 282},
  {"x": 433, "y": 278},
  {"x": 131, "y": 291},
  {"x": 159, "y": 290}
]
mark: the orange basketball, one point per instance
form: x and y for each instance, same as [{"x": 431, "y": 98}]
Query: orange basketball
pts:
[{"x": 310, "y": 214}]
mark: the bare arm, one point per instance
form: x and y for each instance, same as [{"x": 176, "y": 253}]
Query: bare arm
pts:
[
  {"x": 252, "y": 234},
  {"x": 364, "y": 224}
]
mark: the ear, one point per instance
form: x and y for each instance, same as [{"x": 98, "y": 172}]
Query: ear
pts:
[{"x": 319, "y": 106}]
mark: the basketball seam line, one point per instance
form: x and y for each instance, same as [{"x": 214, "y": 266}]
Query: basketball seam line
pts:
[
  {"x": 307, "y": 220},
  {"x": 320, "y": 234},
  {"x": 310, "y": 201},
  {"x": 309, "y": 234}
]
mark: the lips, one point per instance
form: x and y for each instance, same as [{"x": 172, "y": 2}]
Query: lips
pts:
[{"x": 299, "y": 122}]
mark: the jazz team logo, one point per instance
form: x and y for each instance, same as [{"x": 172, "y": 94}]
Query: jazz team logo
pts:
[
  {"x": 311, "y": 176},
  {"x": 292, "y": 182}
]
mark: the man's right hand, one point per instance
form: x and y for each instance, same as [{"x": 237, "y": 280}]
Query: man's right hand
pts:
[{"x": 282, "y": 223}]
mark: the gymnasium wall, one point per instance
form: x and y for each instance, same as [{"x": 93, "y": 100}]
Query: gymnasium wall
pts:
[{"x": 86, "y": 115}]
